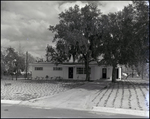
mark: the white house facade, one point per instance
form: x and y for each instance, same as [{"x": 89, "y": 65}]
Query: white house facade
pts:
[{"x": 72, "y": 71}]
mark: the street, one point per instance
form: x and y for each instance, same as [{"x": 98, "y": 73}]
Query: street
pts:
[{"x": 18, "y": 111}]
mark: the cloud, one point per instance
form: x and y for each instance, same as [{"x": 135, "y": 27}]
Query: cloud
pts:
[
  {"x": 112, "y": 6},
  {"x": 66, "y": 5},
  {"x": 4, "y": 42},
  {"x": 104, "y": 6},
  {"x": 22, "y": 20}
]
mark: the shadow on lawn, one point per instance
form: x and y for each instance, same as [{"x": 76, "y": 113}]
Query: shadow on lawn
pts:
[{"x": 104, "y": 85}]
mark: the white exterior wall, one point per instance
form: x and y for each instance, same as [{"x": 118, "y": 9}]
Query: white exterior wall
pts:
[
  {"x": 119, "y": 73},
  {"x": 83, "y": 76},
  {"x": 79, "y": 76},
  {"x": 96, "y": 71},
  {"x": 52, "y": 73},
  {"x": 109, "y": 72},
  {"x": 92, "y": 75},
  {"x": 47, "y": 70},
  {"x": 65, "y": 72}
]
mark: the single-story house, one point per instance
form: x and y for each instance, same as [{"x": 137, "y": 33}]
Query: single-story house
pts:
[{"x": 72, "y": 71}]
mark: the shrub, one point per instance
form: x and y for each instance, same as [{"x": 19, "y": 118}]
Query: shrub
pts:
[{"x": 47, "y": 77}]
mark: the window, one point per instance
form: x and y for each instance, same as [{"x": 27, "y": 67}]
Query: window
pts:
[
  {"x": 38, "y": 68},
  {"x": 104, "y": 70},
  {"x": 81, "y": 70},
  {"x": 57, "y": 68}
]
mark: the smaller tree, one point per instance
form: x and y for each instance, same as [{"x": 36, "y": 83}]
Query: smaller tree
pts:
[
  {"x": 2, "y": 64},
  {"x": 15, "y": 63},
  {"x": 31, "y": 58}
]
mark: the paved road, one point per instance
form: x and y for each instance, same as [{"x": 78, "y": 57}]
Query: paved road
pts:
[{"x": 17, "y": 111}]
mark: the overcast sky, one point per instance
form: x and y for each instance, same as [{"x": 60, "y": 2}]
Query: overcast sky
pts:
[{"x": 27, "y": 22}]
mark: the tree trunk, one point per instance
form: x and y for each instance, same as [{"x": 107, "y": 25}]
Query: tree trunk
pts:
[
  {"x": 87, "y": 73},
  {"x": 142, "y": 71},
  {"x": 87, "y": 69},
  {"x": 16, "y": 74},
  {"x": 73, "y": 58},
  {"x": 12, "y": 77},
  {"x": 128, "y": 75},
  {"x": 132, "y": 73},
  {"x": 26, "y": 64},
  {"x": 114, "y": 74}
]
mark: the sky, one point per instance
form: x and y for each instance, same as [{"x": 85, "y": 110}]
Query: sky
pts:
[{"x": 24, "y": 24}]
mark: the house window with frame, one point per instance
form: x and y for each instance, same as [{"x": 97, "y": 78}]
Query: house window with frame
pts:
[
  {"x": 81, "y": 70},
  {"x": 38, "y": 68},
  {"x": 57, "y": 68}
]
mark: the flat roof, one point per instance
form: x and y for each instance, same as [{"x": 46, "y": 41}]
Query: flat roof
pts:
[{"x": 66, "y": 63}]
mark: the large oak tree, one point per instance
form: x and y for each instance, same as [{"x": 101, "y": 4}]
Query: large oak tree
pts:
[{"x": 80, "y": 32}]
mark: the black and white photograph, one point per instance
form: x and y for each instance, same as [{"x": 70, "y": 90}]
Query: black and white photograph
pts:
[{"x": 75, "y": 59}]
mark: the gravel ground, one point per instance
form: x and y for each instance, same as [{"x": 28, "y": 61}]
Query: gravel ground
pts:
[
  {"x": 30, "y": 89},
  {"x": 127, "y": 94}
]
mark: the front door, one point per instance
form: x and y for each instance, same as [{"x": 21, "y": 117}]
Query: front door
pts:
[
  {"x": 117, "y": 73},
  {"x": 104, "y": 73},
  {"x": 70, "y": 72}
]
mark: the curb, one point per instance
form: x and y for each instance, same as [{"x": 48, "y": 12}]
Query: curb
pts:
[
  {"x": 11, "y": 101},
  {"x": 121, "y": 111}
]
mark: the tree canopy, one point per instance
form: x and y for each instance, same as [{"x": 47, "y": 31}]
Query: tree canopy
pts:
[
  {"x": 13, "y": 62},
  {"x": 120, "y": 37},
  {"x": 79, "y": 30},
  {"x": 125, "y": 39},
  {"x": 12, "y": 58}
]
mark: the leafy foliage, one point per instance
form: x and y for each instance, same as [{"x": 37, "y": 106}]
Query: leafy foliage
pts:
[
  {"x": 2, "y": 63},
  {"x": 121, "y": 37},
  {"x": 13, "y": 61},
  {"x": 125, "y": 39},
  {"x": 77, "y": 34}
]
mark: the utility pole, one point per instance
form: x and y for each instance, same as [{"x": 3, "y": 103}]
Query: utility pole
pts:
[
  {"x": 19, "y": 49},
  {"x": 26, "y": 64},
  {"x": 47, "y": 53}
]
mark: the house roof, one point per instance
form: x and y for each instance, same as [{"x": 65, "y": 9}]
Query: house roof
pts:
[{"x": 66, "y": 63}]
